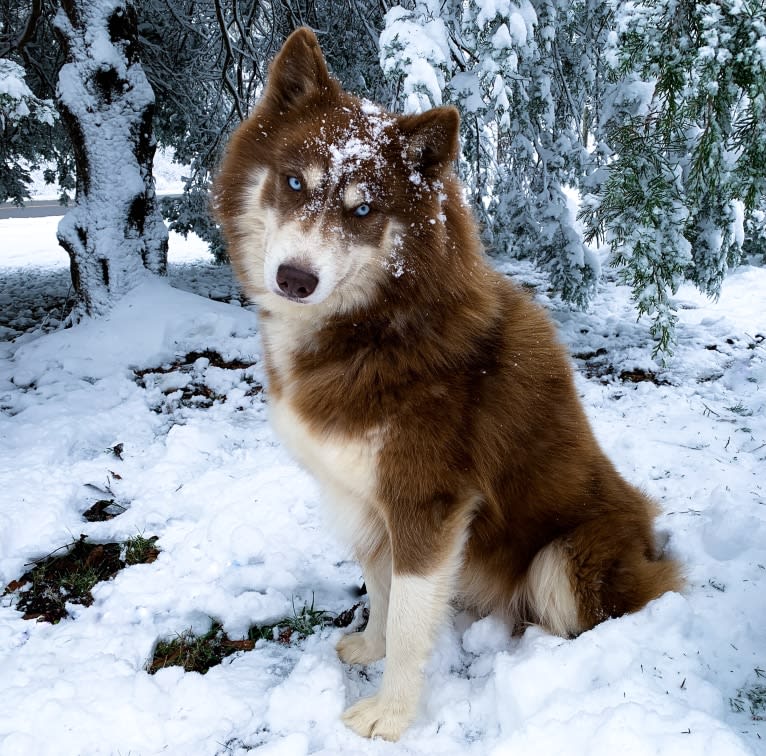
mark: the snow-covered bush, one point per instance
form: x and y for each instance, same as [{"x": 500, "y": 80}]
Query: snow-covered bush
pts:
[
  {"x": 655, "y": 111},
  {"x": 23, "y": 120}
]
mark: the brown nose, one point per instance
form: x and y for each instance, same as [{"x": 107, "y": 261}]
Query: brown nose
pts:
[{"x": 296, "y": 283}]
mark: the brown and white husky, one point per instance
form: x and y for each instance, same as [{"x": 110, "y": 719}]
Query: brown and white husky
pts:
[{"x": 427, "y": 394}]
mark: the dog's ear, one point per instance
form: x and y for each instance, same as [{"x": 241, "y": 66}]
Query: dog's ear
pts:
[
  {"x": 432, "y": 139},
  {"x": 298, "y": 75}
]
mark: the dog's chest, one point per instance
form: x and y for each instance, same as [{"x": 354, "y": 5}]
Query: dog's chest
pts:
[{"x": 343, "y": 465}]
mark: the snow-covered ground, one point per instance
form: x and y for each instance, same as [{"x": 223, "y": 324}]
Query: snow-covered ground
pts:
[{"x": 242, "y": 539}]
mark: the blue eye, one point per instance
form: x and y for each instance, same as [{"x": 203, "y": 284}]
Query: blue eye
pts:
[
  {"x": 294, "y": 183},
  {"x": 362, "y": 210}
]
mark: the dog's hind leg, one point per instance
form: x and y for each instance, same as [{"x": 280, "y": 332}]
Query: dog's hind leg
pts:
[
  {"x": 370, "y": 644},
  {"x": 425, "y": 569}
]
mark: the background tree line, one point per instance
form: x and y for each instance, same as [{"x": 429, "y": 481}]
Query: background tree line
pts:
[{"x": 651, "y": 112}]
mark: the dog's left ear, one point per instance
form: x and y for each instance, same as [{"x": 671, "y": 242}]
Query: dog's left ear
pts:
[
  {"x": 432, "y": 139},
  {"x": 298, "y": 75}
]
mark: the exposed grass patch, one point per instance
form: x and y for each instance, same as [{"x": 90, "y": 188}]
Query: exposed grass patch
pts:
[
  {"x": 195, "y": 653},
  {"x": 198, "y": 653},
  {"x": 740, "y": 409},
  {"x": 304, "y": 622},
  {"x": 639, "y": 375},
  {"x": 141, "y": 550},
  {"x": 187, "y": 361},
  {"x": 590, "y": 355},
  {"x": 60, "y": 578}
]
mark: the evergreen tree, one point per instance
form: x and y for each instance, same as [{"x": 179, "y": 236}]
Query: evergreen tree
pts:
[
  {"x": 684, "y": 127},
  {"x": 524, "y": 76},
  {"x": 24, "y": 123},
  {"x": 27, "y": 40}
]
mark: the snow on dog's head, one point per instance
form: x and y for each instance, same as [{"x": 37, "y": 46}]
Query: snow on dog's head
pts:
[{"x": 324, "y": 197}]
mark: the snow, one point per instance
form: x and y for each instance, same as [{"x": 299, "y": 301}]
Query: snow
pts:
[
  {"x": 361, "y": 141},
  {"x": 242, "y": 538},
  {"x": 737, "y": 227},
  {"x": 520, "y": 24},
  {"x": 467, "y": 86},
  {"x": 512, "y": 33},
  {"x": 416, "y": 45},
  {"x": 520, "y": 18},
  {"x": 16, "y": 97},
  {"x": 501, "y": 39},
  {"x": 12, "y": 82},
  {"x": 634, "y": 96}
]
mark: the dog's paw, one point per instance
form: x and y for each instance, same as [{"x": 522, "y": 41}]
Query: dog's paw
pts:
[
  {"x": 376, "y": 717},
  {"x": 359, "y": 648}
]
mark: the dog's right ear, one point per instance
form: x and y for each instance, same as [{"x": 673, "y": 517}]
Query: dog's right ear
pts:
[{"x": 298, "y": 75}]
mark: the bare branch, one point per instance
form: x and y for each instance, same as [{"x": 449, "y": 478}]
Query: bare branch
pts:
[{"x": 35, "y": 14}]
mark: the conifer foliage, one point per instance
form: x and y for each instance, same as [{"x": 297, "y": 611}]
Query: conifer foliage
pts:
[
  {"x": 684, "y": 128},
  {"x": 23, "y": 121},
  {"x": 522, "y": 74}
]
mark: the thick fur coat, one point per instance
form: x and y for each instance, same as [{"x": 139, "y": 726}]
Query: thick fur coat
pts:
[{"x": 426, "y": 392}]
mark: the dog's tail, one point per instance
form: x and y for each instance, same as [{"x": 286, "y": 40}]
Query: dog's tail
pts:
[{"x": 579, "y": 580}]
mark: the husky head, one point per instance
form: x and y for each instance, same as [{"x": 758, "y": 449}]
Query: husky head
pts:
[{"x": 325, "y": 198}]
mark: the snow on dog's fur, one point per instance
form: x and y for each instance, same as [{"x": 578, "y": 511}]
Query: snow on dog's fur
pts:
[{"x": 426, "y": 392}]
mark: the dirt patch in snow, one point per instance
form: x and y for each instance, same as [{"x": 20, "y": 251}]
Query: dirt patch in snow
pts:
[
  {"x": 44, "y": 591},
  {"x": 191, "y": 381}
]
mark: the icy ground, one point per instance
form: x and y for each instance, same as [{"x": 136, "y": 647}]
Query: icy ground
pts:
[{"x": 242, "y": 539}]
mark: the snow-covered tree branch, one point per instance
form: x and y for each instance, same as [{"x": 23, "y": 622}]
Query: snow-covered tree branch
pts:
[
  {"x": 22, "y": 117},
  {"x": 522, "y": 75}
]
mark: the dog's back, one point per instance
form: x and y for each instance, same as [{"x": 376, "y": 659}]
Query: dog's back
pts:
[{"x": 426, "y": 392}]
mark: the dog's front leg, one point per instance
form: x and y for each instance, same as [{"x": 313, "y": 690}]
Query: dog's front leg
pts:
[
  {"x": 369, "y": 645},
  {"x": 418, "y": 604}
]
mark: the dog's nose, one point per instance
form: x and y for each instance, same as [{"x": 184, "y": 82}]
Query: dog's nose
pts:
[{"x": 296, "y": 283}]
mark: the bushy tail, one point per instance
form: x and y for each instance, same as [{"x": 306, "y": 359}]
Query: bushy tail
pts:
[{"x": 606, "y": 567}]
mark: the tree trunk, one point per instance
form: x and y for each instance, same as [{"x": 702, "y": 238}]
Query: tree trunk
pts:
[{"x": 115, "y": 231}]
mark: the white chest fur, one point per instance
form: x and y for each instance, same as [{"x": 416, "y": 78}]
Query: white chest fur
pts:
[{"x": 346, "y": 469}]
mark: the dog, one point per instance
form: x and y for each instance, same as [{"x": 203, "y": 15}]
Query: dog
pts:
[{"x": 427, "y": 393}]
